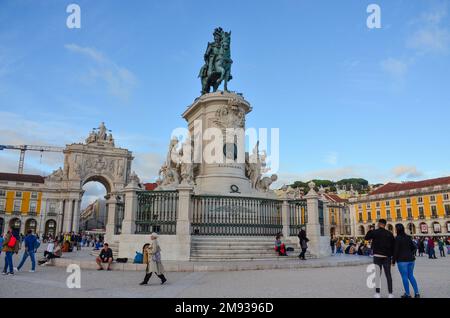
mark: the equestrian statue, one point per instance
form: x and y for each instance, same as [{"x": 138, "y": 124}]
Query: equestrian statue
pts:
[{"x": 217, "y": 67}]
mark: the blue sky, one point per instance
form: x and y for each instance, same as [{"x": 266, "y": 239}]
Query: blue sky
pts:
[{"x": 349, "y": 101}]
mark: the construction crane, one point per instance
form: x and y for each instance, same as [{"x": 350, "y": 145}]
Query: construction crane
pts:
[{"x": 24, "y": 148}]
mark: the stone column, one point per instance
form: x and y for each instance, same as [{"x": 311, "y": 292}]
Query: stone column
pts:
[
  {"x": 129, "y": 218},
  {"x": 183, "y": 231},
  {"x": 68, "y": 216},
  {"x": 285, "y": 218},
  {"x": 42, "y": 215},
  {"x": 318, "y": 245},
  {"x": 60, "y": 219},
  {"x": 76, "y": 216},
  {"x": 111, "y": 214}
]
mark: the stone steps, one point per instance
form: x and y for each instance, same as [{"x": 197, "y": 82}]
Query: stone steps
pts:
[{"x": 218, "y": 248}]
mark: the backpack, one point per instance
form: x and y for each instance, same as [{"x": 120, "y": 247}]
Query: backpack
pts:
[
  {"x": 139, "y": 258},
  {"x": 12, "y": 241},
  {"x": 122, "y": 260},
  {"x": 36, "y": 245}
]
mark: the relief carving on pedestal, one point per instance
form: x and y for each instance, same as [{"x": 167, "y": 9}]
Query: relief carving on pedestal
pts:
[{"x": 230, "y": 115}]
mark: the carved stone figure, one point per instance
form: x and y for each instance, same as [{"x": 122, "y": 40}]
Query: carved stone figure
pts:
[
  {"x": 100, "y": 135},
  {"x": 230, "y": 116},
  {"x": 186, "y": 164},
  {"x": 56, "y": 175},
  {"x": 265, "y": 183}
]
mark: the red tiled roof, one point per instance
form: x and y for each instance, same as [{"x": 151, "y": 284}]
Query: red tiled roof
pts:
[
  {"x": 21, "y": 177},
  {"x": 396, "y": 187},
  {"x": 150, "y": 186},
  {"x": 334, "y": 197}
]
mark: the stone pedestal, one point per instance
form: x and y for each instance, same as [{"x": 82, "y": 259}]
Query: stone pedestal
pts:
[
  {"x": 183, "y": 234},
  {"x": 129, "y": 218},
  {"x": 110, "y": 223},
  {"x": 318, "y": 244},
  {"x": 223, "y": 114}
]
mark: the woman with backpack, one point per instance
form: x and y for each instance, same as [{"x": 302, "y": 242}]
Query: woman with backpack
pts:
[{"x": 11, "y": 245}]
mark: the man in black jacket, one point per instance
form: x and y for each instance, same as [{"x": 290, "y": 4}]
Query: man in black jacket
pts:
[{"x": 383, "y": 243}]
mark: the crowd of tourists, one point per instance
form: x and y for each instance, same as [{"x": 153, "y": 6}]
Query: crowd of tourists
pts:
[
  {"x": 13, "y": 241},
  {"x": 361, "y": 246}
]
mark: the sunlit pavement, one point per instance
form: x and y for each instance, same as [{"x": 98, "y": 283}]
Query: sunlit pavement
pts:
[{"x": 433, "y": 277}]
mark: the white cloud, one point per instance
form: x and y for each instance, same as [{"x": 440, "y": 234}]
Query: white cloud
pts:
[
  {"x": 119, "y": 80},
  {"x": 394, "y": 67},
  {"x": 410, "y": 172},
  {"x": 147, "y": 165},
  {"x": 432, "y": 34}
]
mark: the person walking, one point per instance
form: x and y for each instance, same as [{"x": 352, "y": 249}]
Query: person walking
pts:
[
  {"x": 333, "y": 245},
  {"x": 441, "y": 245},
  {"x": 154, "y": 264},
  {"x": 30, "y": 249},
  {"x": 431, "y": 251},
  {"x": 448, "y": 245},
  {"x": 421, "y": 247},
  {"x": 303, "y": 243},
  {"x": 382, "y": 243},
  {"x": 404, "y": 251},
  {"x": 11, "y": 245}
]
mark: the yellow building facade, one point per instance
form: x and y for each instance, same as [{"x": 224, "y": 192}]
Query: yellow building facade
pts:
[
  {"x": 423, "y": 207},
  {"x": 21, "y": 202}
]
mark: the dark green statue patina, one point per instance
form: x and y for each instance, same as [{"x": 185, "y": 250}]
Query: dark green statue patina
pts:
[{"x": 218, "y": 62}]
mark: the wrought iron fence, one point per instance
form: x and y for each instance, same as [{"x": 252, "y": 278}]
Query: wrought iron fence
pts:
[
  {"x": 298, "y": 216},
  {"x": 157, "y": 212},
  {"x": 233, "y": 216},
  {"x": 120, "y": 209},
  {"x": 321, "y": 219}
]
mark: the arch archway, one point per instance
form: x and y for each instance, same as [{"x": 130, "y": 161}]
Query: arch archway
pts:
[
  {"x": 15, "y": 223},
  {"x": 361, "y": 230},
  {"x": 30, "y": 224},
  {"x": 50, "y": 228},
  {"x": 93, "y": 214},
  {"x": 437, "y": 229},
  {"x": 423, "y": 228}
]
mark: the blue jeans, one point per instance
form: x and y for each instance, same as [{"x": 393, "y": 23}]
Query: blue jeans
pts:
[
  {"x": 24, "y": 258},
  {"x": 406, "y": 270},
  {"x": 8, "y": 262}
]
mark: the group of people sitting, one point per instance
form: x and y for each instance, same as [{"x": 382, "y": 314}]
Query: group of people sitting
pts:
[{"x": 52, "y": 251}]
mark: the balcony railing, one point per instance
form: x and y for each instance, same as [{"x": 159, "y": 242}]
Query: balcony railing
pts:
[
  {"x": 422, "y": 217},
  {"x": 398, "y": 218},
  {"x": 16, "y": 213},
  {"x": 52, "y": 214},
  {"x": 434, "y": 216},
  {"x": 389, "y": 219},
  {"x": 32, "y": 213}
]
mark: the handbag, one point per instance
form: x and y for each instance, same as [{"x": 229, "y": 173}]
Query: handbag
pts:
[
  {"x": 12, "y": 241},
  {"x": 156, "y": 257}
]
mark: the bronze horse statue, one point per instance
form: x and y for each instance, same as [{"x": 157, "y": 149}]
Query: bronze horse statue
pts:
[{"x": 217, "y": 68}]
